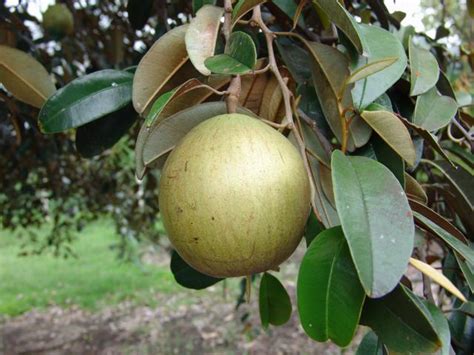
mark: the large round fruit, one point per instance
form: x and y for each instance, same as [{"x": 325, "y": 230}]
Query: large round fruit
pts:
[
  {"x": 234, "y": 197},
  {"x": 58, "y": 20}
]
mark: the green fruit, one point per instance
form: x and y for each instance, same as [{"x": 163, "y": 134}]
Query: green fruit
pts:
[
  {"x": 58, "y": 21},
  {"x": 234, "y": 197}
]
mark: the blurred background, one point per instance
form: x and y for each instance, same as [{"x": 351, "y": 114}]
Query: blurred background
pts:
[{"x": 84, "y": 260}]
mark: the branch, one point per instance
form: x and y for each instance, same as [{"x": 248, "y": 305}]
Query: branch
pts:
[{"x": 288, "y": 120}]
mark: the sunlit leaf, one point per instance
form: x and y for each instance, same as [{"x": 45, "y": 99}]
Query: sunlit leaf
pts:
[
  {"x": 167, "y": 55},
  {"x": 330, "y": 296},
  {"x": 414, "y": 189},
  {"x": 24, "y": 77},
  {"x": 239, "y": 57},
  {"x": 424, "y": 69},
  {"x": 201, "y": 36},
  {"x": 437, "y": 277},
  {"x": 274, "y": 302},
  {"x": 86, "y": 99},
  {"x": 379, "y": 231}
]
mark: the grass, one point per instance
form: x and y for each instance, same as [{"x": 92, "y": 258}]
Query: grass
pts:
[{"x": 93, "y": 279}]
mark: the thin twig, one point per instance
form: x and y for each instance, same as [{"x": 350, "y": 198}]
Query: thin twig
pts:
[{"x": 288, "y": 120}]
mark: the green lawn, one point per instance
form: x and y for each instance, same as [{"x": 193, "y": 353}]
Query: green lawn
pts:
[{"x": 94, "y": 279}]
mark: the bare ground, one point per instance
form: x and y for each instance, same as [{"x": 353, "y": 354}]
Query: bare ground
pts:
[{"x": 188, "y": 322}]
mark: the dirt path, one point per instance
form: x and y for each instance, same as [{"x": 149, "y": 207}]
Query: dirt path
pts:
[{"x": 208, "y": 326}]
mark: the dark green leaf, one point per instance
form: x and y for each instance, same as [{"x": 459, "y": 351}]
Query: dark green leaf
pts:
[
  {"x": 274, "y": 302},
  {"x": 467, "y": 270},
  {"x": 424, "y": 69},
  {"x": 240, "y": 56},
  {"x": 378, "y": 44},
  {"x": 312, "y": 229},
  {"x": 343, "y": 20},
  {"x": 96, "y": 136},
  {"x": 197, "y": 4},
  {"x": 330, "y": 71},
  {"x": 464, "y": 250},
  {"x": 402, "y": 322},
  {"x": 244, "y": 6},
  {"x": 330, "y": 296},
  {"x": 370, "y": 345},
  {"x": 444, "y": 86},
  {"x": 138, "y": 12},
  {"x": 441, "y": 326},
  {"x": 295, "y": 58},
  {"x": 86, "y": 99},
  {"x": 188, "y": 277},
  {"x": 376, "y": 219},
  {"x": 433, "y": 111},
  {"x": 388, "y": 157}
]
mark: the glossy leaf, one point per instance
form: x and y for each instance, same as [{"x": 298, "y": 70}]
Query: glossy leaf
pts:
[
  {"x": 442, "y": 327},
  {"x": 379, "y": 231},
  {"x": 433, "y": 111},
  {"x": 464, "y": 250},
  {"x": 402, "y": 322},
  {"x": 274, "y": 302},
  {"x": 437, "y": 277},
  {"x": 424, "y": 69},
  {"x": 24, "y": 77},
  {"x": 378, "y": 44},
  {"x": 188, "y": 277},
  {"x": 393, "y": 132},
  {"x": 197, "y": 4},
  {"x": 167, "y": 55},
  {"x": 370, "y": 345},
  {"x": 240, "y": 56},
  {"x": 343, "y": 20},
  {"x": 201, "y": 36},
  {"x": 86, "y": 99},
  {"x": 96, "y": 136},
  {"x": 242, "y": 7},
  {"x": 370, "y": 69},
  {"x": 138, "y": 12},
  {"x": 330, "y": 296}
]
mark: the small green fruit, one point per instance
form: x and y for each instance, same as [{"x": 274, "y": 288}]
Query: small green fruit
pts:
[
  {"x": 234, "y": 197},
  {"x": 58, "y": 21}
]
